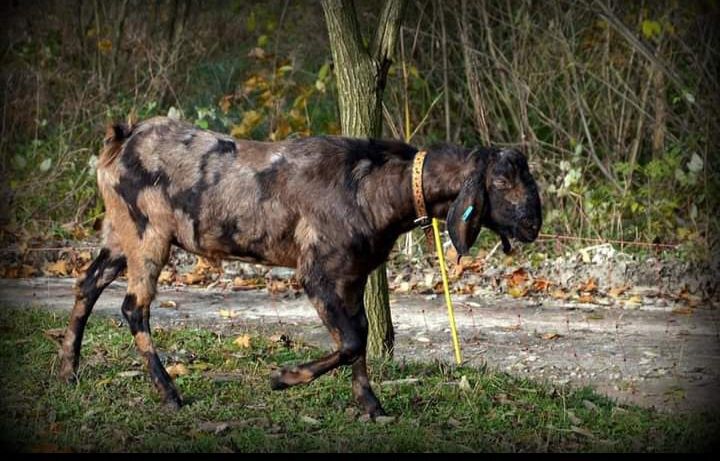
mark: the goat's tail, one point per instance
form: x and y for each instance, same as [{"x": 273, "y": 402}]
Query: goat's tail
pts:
[{"x": 115, "y": 137}]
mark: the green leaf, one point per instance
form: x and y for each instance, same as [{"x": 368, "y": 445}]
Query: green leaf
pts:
[
  {"x": 202, "y": 123},
  {"x": 651, "y": 29},
  {"x": 324, "y": 71},
  {"x": 45, "y": 165},
  {"x": 20, "y": 161},
  {"x": 285, "y": 69},
  {"x": 680, "y": 176},
  {"x": 173, "y": 113},
  {"x": 251, "y": 22},
  {"x": 696, "y": 163},
  {"x": 578, "y": 149},
  {"x": 263, "y": 40}
]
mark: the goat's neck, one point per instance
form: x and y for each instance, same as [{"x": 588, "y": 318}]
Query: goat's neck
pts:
[{"x": 443, "y": 176}]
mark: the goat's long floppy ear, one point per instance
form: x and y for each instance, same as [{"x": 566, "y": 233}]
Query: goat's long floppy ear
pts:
[{"x": 464, "y": 218}]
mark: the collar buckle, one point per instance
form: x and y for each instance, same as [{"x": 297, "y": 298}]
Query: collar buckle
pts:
[{"x": 424, "y": 222}]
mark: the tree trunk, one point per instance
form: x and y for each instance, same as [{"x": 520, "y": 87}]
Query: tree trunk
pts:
[{"x": 361, "y": 74}]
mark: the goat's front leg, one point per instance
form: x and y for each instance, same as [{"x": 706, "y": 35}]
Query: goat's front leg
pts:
[
  {"x": 340, "y": 305},
  {"x": 361, "y": 388}
]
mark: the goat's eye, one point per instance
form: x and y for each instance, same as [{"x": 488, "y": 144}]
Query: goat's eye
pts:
[{"x": 501, "y": 183}]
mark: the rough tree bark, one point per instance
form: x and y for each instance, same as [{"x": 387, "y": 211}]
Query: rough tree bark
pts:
[{"x": 361, "y": 73}]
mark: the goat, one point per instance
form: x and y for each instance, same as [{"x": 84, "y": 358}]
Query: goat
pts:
[{"x": 330, "y": 207}]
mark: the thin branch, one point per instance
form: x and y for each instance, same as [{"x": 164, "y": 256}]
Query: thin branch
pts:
[{"x": 383, "y": 43}]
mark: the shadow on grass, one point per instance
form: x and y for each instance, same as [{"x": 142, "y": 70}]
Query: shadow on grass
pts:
[{"x": 230, "y": 406}]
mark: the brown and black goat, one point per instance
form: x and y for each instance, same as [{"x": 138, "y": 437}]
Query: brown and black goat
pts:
[{"x": 330, "y": 207}]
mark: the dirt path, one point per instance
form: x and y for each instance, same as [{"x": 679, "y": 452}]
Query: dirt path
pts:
[{"x": 651, "y": 355}]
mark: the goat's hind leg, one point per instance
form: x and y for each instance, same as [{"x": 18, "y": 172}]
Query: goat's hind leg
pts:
[
  {"x": 143, "y": 272},
  {"x": 109, "y": 263}
]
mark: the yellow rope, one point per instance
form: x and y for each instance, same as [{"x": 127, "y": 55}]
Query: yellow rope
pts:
[{"x": 446, "y": 287}]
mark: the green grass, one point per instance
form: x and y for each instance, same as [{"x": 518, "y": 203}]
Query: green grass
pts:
[{"x": 109, "y": 411}]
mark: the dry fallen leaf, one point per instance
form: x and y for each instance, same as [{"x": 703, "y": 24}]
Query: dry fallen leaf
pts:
[
  {"x": 586, "y": 298},
  {"x": 691, "y": 300},
  {"x": 404, "y": 287},
  {"x": 277, "y": 286},
  {"x": 240, "y": 283},
  {"x": 193, "y": 278},
  {"x": 280, "y": 338},
  {"x": 59, "y": 267},
  {"x": 177, "y": 369},
  {"x": 590, "y": 286},
  {"x": 166, "y": 277},
  {"x": 169, "y": 304},
  {"x": 551, "y": 335},
  {"x": 634, "y": 300},
  {"x": 55, "y": 335},
  {"x": 518, "y": 277},
  {"x": 242, "y": 341},
  {"x": 560, "y": 294},
  {"x": 465, "y": 263},
  {"x": 227, "y": 313},
  {"x": 685, "y": 310},
  {"x": 517, "y": 291},
  {"x": 616, "y": 292},
  {"x": 205, "y": 265},
  {"x": 541, "y": 284},
  {"x": 451, "y": 254}
]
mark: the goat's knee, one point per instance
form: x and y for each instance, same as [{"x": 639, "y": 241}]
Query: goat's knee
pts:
[{"x": 351, "y": 349}]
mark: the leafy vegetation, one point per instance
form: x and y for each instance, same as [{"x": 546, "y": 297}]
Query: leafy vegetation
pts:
[
  {"x": 231, "y": 408},
  {"x": 615, "y": 105}
]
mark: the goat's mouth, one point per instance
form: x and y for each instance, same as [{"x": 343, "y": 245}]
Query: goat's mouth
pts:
[
  {"x": 526, "y": 235},
  {"x": 521, "y": 234}
]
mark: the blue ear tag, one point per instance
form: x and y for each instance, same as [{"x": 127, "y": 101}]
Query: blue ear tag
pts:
[{"x": 467, "y": 213}]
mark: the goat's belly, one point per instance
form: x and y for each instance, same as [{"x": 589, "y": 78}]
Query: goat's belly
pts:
[
  {"x": 255, "y": 252},
  {"x": 237, "y": 254}
]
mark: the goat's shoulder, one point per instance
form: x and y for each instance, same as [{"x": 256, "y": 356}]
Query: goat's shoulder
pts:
[{"x": 350, "y": 150}]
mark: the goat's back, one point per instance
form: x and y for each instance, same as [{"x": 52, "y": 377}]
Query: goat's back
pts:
[{"x": 215, "y": 195}]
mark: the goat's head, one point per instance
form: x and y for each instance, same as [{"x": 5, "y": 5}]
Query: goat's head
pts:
[{"x": 499, "y": 193}]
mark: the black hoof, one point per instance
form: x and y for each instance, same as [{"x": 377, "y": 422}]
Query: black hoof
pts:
[
  {"x": 67, "y": 372},
  {"x": 375, "y": 412},
  {"x": 173, "y": 401},
  {"x": 276, "y": 382}
]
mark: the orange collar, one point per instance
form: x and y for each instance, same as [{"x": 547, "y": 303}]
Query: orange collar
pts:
[{"x": 419, "y": 199}]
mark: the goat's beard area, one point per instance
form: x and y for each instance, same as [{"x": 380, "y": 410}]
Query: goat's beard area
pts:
[
  {"x": 508, "y": 233},
  {"x": 506, "y": 246}
]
